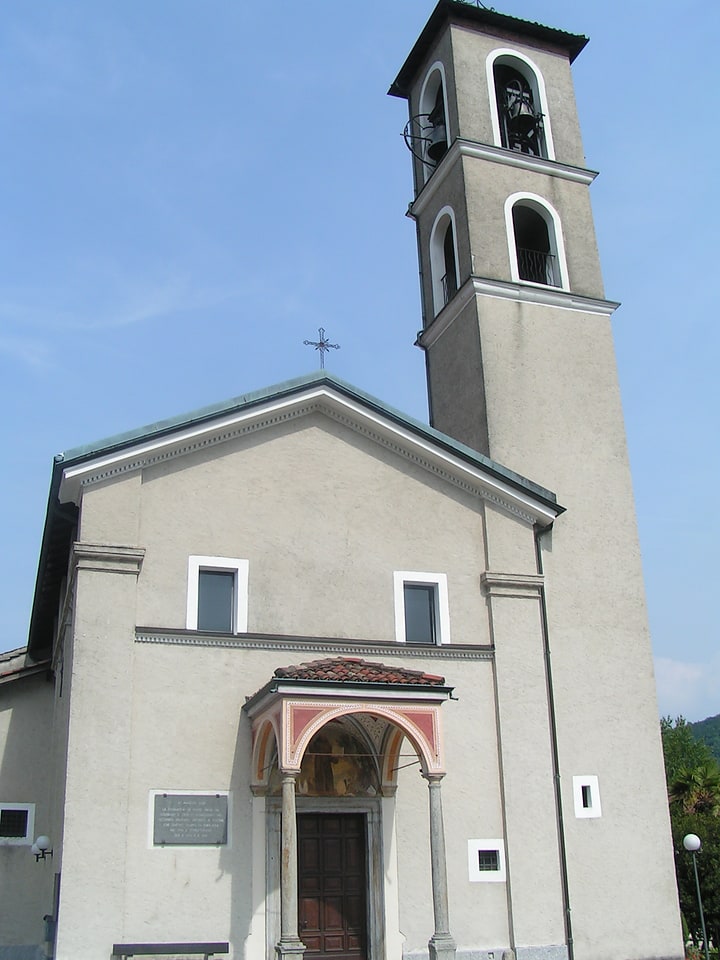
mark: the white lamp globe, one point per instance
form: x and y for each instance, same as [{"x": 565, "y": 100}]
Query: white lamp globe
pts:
[
  {"x": 692, "y": 842},
  {"x": 43, "y": 843}
]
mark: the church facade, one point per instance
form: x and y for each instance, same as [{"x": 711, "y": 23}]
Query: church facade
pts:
[{"x": 308, "y": 677}]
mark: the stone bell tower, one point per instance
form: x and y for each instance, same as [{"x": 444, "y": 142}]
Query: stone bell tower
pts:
[{"x": 520, "y": 366}]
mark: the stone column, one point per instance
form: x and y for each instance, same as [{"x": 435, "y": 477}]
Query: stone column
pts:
[
  {"x": 441, "y": 944},
  {"x": 289, "y": 944}
]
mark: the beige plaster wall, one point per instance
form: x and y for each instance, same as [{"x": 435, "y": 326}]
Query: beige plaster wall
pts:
[
  {"x": 324, "y": 516},
  {"x": 472, "y": 809},
  {"x": 487, "y": 188},
  {"x": 564, "y": 428},
  {"x": 99, "y": 759},
  {"x": 26, "y": 707}
]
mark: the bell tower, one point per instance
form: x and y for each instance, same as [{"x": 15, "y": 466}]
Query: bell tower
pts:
[
  {"x": 508, "y": 259},
  {"x": 521, "y": 367}
]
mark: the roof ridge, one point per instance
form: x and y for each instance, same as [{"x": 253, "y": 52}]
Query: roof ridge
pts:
[{"x": 356, "y": 670}]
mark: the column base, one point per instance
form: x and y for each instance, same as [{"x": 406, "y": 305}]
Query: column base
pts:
[
  {"x": 289, "y": 949},
  {"x": 442, "y": 947}
]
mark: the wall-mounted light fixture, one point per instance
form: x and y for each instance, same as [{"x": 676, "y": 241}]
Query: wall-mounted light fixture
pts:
[{"x": 41, "y": 848}]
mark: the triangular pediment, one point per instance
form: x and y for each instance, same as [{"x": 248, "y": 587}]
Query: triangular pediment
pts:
[
  {"x": 252, "y": 415},
  {"x": 324, "y": 395}
]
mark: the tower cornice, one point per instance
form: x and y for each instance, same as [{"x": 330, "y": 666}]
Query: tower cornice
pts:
[
  {"x": 511, "y": 158},
  {"x": 509, "y": 290}
]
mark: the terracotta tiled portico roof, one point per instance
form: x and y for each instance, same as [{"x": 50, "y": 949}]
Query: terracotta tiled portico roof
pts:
[{"x": 355, "y": 670}]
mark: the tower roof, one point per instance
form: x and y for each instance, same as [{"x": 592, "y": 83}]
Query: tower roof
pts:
[{"x": 462, "y": 11}]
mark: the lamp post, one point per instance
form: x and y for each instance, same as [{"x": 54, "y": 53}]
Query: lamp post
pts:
[{"x": 692, "y": 844}]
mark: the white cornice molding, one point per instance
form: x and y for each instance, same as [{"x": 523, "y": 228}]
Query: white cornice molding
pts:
[
  {"x": 364, "y": 420},
  {"x": 106, "y": 558},
  {"x": 507, "y": 158},
  {"x": 328, "y": 647},
  {"x": 334, "y": 694},
  {"x": 512, "y": 584},
  {"x": 510, "y": 290}
]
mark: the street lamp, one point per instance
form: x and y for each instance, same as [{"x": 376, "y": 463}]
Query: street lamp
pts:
[{"x": 692, "y": 844}]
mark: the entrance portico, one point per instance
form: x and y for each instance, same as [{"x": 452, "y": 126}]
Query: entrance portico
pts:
[{"x": 333, "y": 729}]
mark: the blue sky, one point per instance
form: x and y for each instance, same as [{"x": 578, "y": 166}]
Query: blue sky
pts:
[{"x": 190, "y": 189}]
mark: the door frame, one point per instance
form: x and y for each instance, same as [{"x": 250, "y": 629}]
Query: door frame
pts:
[{"x": 371, "y": 809}]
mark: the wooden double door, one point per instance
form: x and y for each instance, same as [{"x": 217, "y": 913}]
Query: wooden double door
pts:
[{"x": 332, "y": 885}]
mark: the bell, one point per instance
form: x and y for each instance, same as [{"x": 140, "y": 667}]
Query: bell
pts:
[
  {"x": 522, "y": 119},
  {"x": 438, "y": 143}
]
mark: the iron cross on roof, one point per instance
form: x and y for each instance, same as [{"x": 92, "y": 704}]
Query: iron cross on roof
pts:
[{"x": 322, "y": 345}]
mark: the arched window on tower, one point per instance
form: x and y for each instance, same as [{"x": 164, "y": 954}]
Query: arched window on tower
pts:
[
  {"x": 519, "y": 105},
  {"x": 431, "y": 122},
  {"x": 443, "y": 260},
  {"x": 537, "y": 247}
]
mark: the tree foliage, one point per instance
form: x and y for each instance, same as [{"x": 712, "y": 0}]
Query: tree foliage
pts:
[
  {"x": 709, "y": 731},
  {"x": 693, "y": 777},
  {"x": 681, "y": 748}
]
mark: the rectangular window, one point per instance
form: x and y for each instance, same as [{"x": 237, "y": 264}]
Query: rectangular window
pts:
[
  {"x": 420, "y": 602},
  {"x": 586, "y": 796},
  {"x": 421, "y": 608},
  {"x": 217, "y": 594},
  {"x": 13, "y": 823},
  {"x": 17, "y": 822},
  {"x": 486, "y": 861},
  {"x": 216, "y": 591}
]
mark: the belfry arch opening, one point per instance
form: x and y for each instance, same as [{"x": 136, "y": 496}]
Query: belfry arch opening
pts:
[
  {"x": 443, "y": 260},
  {"x": 536, "y": 248},
  {"x": 433, "y": 118},
  {"x": 519, "y": 107}
]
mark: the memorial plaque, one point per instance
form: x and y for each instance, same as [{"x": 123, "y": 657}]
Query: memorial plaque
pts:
[{"x": 190, "y": 819}]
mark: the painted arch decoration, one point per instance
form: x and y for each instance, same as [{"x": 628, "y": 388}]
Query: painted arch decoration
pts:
[{"x": 293, "y": 709}]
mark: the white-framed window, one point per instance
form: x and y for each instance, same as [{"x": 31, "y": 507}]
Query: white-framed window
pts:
[
  {"x": 535, "y": 241},
  {"x": 518, "y": 104},
  {"x": 444, "y": 271},
  {"x": 189, "y": 819},
  {"x": 586, "y": 796},
  {"x": 17, "y": 824},
  {"x": 486, "y": 861},
  {"x": 217, "y": 594},
  {"x": 422, "y": 613}
]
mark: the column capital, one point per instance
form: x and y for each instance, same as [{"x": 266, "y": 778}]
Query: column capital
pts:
[{"x": 434, "y": 779}]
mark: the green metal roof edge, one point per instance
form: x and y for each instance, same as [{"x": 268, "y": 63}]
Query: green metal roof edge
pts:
[
  {"x": 170, "y": 424},
  {"x": 287, "y": 388},
  {"x": 574, "y": 43}
]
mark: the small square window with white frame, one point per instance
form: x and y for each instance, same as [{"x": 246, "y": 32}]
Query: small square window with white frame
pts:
[
  {"x": 586, "y": 796},
  {"x": 422, "y": 613},
  {"x": 17, "y": 823},
  {"x": 217, "y": 594},
  {"x": 486, "y": 861}
]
